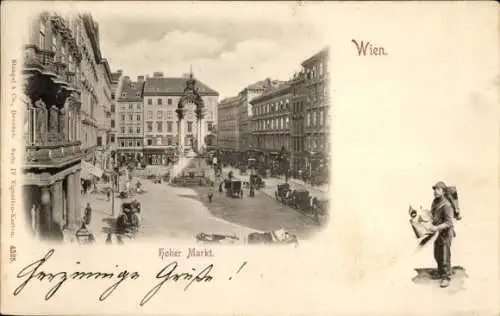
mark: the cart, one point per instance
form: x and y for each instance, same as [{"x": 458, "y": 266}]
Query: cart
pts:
[
  {"x": 281, "y": 192},
  {"x": 256, "y": 181},
  {"x": 233, "y": 188},
  {"x": 300, "y": 200}
]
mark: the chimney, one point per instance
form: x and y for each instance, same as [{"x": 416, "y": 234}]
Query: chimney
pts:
[
  {"x": 157, "y": 74},
  {"x": 268, "y": 82},
  {"x": 120, "y": 71},
  {"x": 140, "y": 78}
]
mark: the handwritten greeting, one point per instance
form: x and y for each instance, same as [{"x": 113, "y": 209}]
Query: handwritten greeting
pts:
[{"x": 170, "y": 273}]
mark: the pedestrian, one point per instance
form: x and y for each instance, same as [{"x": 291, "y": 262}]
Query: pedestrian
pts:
[
  {"x": 108, "y": 240},
  {"x": 87, "y": 214},
  {"x": 210, "y": 194},
  {"x": 108, "y": 193},
  {"x": 252, "y": 191},
  {"x": 442, "y": 221}
]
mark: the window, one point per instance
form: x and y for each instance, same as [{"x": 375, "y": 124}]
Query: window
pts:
[
  {"x": 122, "y": 144},
  {"x": 158, "y": 127},
  {"x": 138, "y": 130},
  {"x": 159, "y": 115},
  {"x": 321, "y": 119},
  {"x": 210, "y": 126},
  {"x": 138, "y": 94},
  {"x": 169, "y": 115},
  {"x": 138, "y": 143},
  {"x": 150, "y": 126},
  {"x": 130, "y": 130},
  {"x": 210, "y": 115},
  {"x": 112, "y": 108},
  {"x": 112, "y": 123},
  {"x": 99, "y": 141},
  {"x": 159, "y": 102},
  {"x": 150, "y": 101},
  {"x": 41, "y": 39},
  {"x": 150, "y": 142},
  {"x": 130, "y": 143},
  {"x": 130, "y": 106},
  {"x": 158, "y": 140},
  {"x": 124, "y": 94},
  {"x": 123, "y": 129},
  {"x": 150, "y": 115},
  {"x": 139, "y": 117},
  {"x": 112, "y": 138},
  {"x": 138, "y": 106},
  {"x": 169, "y": 101},
  {"x": 169, "y": 141},
  {"x": 130, "y": 118},
  {"x": 123, "y": 117},
  {"x": 169, "y": 127},
  {"x": 190, "y": 127}
]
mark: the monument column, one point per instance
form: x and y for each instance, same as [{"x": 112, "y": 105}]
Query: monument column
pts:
[{"x": 181, "y": 136}]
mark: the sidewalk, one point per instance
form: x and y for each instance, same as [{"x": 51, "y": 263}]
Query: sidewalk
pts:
[{"x": 102, "y": 220}]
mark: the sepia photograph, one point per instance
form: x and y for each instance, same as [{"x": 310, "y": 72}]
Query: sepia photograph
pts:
[
  {"x": 236, "y": 158},
  {"x": 138, "y": 129}
]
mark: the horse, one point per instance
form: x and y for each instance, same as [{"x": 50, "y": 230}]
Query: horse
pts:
[{"x": 280, "y": 236}]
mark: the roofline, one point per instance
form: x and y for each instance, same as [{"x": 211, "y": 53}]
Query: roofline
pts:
[
  {"x": 279, "y": 91},
  {"x": 316, "y": 56},
  {"x": 180, "y": 94},
  {"x": 129, "y": 100}
]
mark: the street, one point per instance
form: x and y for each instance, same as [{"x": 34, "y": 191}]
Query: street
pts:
[{"x": 179, "y": 213}]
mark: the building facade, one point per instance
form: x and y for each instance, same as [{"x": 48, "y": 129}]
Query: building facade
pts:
[
  {"x": 116, "y": 78},
  {"x": 60, "y": 95},
  {"x": 235, "y": 138},
  {"x": 161, "y": 97},
  {"x": 227, "y": 127},
  {"x": 271, "y": 122},
  {"x": 103, "y": 151},
  {"x": 130, "y": 119},
  {"x": 297, "y": 118},
  {"x": 316, "y": 111}
]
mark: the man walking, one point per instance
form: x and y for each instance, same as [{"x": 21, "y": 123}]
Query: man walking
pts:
[{"x": 442, "y": 219}]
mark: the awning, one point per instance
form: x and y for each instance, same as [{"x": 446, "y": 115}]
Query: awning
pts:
[{"x": 89, "y": 170}]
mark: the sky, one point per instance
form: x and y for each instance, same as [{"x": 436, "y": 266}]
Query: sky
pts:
[{"x": 226, "y": 52}]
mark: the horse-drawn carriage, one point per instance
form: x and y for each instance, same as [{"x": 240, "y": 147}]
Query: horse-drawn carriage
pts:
[
  {"x": 256, "y": 181},
  {"x": 233, "y": 188},
  {"x": 282, "y": 193},
  {"x": 301, "y": 199}
]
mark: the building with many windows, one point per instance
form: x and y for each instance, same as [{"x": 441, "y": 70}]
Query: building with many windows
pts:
[
  {"x": 316, "y": 110},
  {"x": 271, "y": 122},
  {"x": 129, "y": 119},
  {"x": 62, "y": 94},
  {"x": 297, "y": 146},
  {"x": 116, "y": 79},
  {"x": 161, "y": 98},
  {"x": 227, "y": 127},
  {"x": 235, "y": 137}
]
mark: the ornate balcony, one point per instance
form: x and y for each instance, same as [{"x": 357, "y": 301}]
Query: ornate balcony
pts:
[{"x": 54, "y": 154}]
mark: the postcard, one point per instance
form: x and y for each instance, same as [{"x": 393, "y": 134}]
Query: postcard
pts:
[{"x": 250, "y": 158}]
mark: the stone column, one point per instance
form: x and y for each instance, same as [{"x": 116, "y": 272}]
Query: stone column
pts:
[
  {"x": 73, "y": 200},
  {"x": 201, "y": 133},
  {"x": 46, "y": 211},
  {"x": 57, "y": 203}
]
